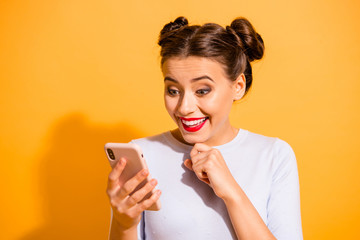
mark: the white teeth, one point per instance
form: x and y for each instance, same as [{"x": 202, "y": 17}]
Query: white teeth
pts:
[{"x": 193, "y": 123}]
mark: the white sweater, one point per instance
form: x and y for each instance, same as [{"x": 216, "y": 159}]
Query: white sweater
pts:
[{"x": 264, "y": 167}]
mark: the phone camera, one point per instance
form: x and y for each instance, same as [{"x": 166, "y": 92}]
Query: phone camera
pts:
[{"x": 111, "y": 154}]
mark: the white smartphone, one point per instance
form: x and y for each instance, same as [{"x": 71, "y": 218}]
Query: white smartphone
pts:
[{"x": 135, "y": 163}]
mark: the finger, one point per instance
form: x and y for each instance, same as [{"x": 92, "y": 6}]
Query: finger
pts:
[
  {"x": 132, "y": 183},
  {"x": 194, "y": 151},
  {"x": 199, "y": 157},
  {"x": 200, "y": 172},
  {"x": 205, "y": 180},
  {"x": 199, "y": 167},
  {"x": 149, "y": 202},
  {"x": 113, "y": 180},
  {"x": 202, "y": 175},
  {"x": 207, "y": 159},
  {"x": 188, "y": 164},
  {"x": 141, "y": 193},
  {"x": 198, "y": 148}
]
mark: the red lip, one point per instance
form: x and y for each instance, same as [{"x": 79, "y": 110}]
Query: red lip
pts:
[{"x": 195, "y": 128}]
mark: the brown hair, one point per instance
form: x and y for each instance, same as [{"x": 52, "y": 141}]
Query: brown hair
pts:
[{"x": 234, "y": 46}]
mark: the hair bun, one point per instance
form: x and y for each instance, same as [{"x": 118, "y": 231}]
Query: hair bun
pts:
[
  {"x": 169, "y": 28},
  {"x": 250, "y": 40}
]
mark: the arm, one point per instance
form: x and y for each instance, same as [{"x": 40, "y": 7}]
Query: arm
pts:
[
  {"x": 284, "y": 218},
  {"x": 210, "y": 167},
  {"x": 245, "y": 219},
  {"x": 116, "y": 232},
  {"x": 126, "y": 209}
]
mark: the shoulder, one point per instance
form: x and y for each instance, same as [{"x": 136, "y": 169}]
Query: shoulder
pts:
[
  {"x": 280, "y": 154},
  {"x": 275, "y": 144},
  {"x": 259, "y": 139},
  {"x": 278, "y": 151}
]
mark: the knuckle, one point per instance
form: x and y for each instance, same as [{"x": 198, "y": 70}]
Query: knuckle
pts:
[
  {"x": 136, "y": 197},
  {"x": 145, "y": 204},
  {"x": 148, "y": 202},
  {"x": 113, "y": 203},
  {"x": 108, "y": 192},
  {"x": 112, "y": 177},
  {"x": 194, "y": 159},
  {"x": 213, "y": 151},
  {"x": 147, "y": 190},
  {"x": 126, "y": 188},
  {"x": 132, "y": 200},
  {"x": 193, "y": 153},
  {"x": 208, "y": 165},
  {"x": 141, "y": 175},
  {"x": 195, "y": 167},
  {"x": 150, "y": 185},
  {"x": 121, "y": 210},
  {"x": 212, "y": 156}
]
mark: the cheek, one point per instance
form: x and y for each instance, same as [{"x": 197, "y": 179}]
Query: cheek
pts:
[
  {"x": 218, "y": 104},
  {"x": 170, "y": 104}
]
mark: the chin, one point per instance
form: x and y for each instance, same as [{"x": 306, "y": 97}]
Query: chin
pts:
[{"x": 193, "y": 138}]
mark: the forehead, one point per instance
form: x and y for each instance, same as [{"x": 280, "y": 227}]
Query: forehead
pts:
[{"x": 192, "y": 67}]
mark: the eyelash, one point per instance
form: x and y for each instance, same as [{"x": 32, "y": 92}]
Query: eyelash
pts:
[
  {"x": 200, "y": 92},
  {"x": 203, "y": 92},
  {"x": 172, "y": 92}
]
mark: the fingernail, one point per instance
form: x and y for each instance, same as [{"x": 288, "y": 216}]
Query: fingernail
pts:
[
  {"x": 153, "y": 182},
  {"x": 144, "y": 172}
]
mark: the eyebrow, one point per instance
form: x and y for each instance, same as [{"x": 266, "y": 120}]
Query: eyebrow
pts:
[{"x": 192, "y": 80}]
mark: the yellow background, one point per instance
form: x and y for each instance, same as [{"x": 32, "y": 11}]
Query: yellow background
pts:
[{"x": 75, "y": 74}]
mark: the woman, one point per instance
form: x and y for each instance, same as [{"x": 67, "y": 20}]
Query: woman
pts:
[{"x": 216, "y": 181}]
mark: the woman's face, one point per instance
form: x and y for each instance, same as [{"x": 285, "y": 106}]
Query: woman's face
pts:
[{"x": 198, "y": 96}]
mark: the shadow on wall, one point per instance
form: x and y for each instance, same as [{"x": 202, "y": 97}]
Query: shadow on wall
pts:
[{"x": 73, "y": 178}]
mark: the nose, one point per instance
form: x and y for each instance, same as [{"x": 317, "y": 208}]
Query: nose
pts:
[{"x": 186, "y": 105}]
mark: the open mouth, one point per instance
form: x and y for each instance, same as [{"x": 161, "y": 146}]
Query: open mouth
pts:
[{"x": 193, "y": 124}]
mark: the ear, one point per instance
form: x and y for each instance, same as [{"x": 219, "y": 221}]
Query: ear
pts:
[{"x": 239, "y": 87}]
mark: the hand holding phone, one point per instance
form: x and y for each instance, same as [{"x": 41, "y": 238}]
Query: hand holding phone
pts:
[{"x": 135, "y": 163}]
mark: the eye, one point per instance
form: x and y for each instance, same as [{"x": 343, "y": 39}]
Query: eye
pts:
[
  {"x": 172, "y": 92},
  {"x": 202, "y": 92}
]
